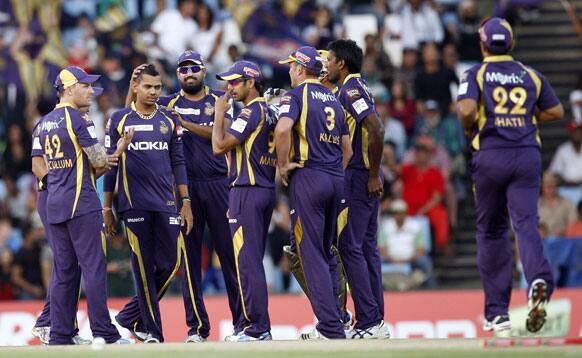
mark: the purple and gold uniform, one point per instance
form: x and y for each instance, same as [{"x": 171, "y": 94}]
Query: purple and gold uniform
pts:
[
  {"x": 506, "y": 167},
  {"x": 147, "y": 174},
  {"x": 316, "y": 191},
  {"x": 75, "y": 222},
  {"x": 208, "y": 188},
  {"x": 358, "y": 243}
]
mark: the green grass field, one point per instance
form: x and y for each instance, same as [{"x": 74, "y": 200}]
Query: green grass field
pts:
[{"x": 289, "y": 349}]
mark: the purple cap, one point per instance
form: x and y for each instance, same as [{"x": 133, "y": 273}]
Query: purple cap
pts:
[
  {"x": 73, "y": 74},
  {"x": 496, "y": 34},
  {"x": 191, "y": 56},
  {"x": 306, "y": 56},
  {"x": 241, "y": 69}
]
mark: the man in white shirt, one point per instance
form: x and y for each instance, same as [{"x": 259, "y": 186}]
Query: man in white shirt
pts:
[
  {"x": 175, "y": 28},
  {"x": 420, "y": 24},
  {"x": 567, "y": 164}
]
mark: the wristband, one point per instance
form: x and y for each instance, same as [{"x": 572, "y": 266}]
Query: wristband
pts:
[{"x": 106, "y": 208}]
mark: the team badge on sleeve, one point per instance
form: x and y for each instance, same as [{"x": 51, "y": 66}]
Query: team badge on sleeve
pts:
[
  {"x": 353, "y": 93},
  {"x": 239, "y": 125}
]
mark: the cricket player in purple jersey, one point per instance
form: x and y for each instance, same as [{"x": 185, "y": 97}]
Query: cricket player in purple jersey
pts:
[
  {"x": 74, "y": 158},
  {"x": 41, "y": 328},
  {"x": 252, "y": 193},
  {"x": 499, "y": 104},
  {"x": 358, "y": 244},
  {"x": 313, "y": 148},
  {"x": 147, "y": 202}
]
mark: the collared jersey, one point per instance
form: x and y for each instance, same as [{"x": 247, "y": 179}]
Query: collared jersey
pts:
[
  {"x": 507, "y": 94},
  {"x": 358, "y": 103},
  {"x": 254, "y": 158},
  {"x": 62, "y": 135},
  {"x": 201, "y": 163},
  {"x": 152, "y": 164},
  {"x": 319, "y": 126}
]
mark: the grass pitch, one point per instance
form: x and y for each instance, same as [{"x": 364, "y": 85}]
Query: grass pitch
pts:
[{"x": 292, "y": 349}]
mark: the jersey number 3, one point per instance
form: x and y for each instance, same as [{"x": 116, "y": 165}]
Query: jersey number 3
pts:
[
  {"x": 55, "y": 142},
  {"x": 517, "y": 95},
  {"x": 330, "y": 122}
]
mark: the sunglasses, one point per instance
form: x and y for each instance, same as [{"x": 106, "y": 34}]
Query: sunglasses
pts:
[
  {"x": 194, "y": 69},
  {"x": 236, "y": 81}
]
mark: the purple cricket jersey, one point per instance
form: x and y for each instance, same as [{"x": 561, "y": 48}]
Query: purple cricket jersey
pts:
[
  {"x": 152, "y": 163},
  {"x": 358, "y": 103},
  {"x": 507, "y": 94},
  {"x": 319, "y": 126},
  {"x": 201, "y": 163},
  {"x": 254, "y": 159},
  {"x": 63, "y": 133}
]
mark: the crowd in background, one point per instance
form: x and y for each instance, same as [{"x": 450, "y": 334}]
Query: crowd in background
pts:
[{"x": 413, "y": 60}]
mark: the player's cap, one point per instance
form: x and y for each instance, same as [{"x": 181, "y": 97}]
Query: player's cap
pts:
[
  {"x": 306, "y": 56},
  {"x": 73, "y": 74},
  {"x": 191, "y": 56},
  {"x": 241, "y": 69},
  {"x": 398, "y": 206},
  {"x": 431, "y": 105},
  {"x": 496, "y": 34}
]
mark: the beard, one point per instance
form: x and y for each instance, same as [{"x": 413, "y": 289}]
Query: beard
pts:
[{"x": 192, "y": 88}]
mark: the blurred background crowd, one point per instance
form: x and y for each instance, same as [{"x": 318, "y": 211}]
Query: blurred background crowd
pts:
[{"x": 415, "y": 51}]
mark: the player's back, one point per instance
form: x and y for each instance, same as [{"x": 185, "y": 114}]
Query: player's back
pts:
[
  {"x": 510, "y": 92},
  {"x": 71, "y": 182},
  {"x": 317, "y": 134}
]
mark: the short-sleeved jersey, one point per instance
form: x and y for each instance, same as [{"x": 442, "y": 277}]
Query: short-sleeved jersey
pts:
[
  {"x": 36, "y": 150},
  {"x": 62, "y": 134},
  {"x": 201, "y": 163},
  {"x": 152, "y": 164},
  {"x": 254, "y": 159},
  {"x": 507, "y": 94},
  {"x": 319, "y": 126},
  {"x": 358, "y": 103}
]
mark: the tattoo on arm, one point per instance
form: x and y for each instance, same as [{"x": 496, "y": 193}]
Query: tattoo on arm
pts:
[{"x": 97, "y": 155}]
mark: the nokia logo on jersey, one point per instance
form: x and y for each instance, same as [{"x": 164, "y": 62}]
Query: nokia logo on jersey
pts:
[
  {"x": 324, "y": 97},
  {"x": 148, "y": 146},
  {"x": 503, "y": 78}
]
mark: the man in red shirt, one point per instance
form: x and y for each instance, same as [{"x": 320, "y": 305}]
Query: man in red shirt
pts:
[{"x": 423, "y": 191}]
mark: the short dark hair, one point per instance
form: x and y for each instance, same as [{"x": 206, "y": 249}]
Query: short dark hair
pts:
[
  {"x": 350, "y": 52},
  {"x": 149, "y": 69},
  {"x": 259, "y": 87}
]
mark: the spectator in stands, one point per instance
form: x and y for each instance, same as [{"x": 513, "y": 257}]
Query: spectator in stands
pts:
[
  {"x": 408, "y": 71},
  {"x": 434, "y": 81},
  {"x": 207, "y": 40},
  {"x": 423, "y": 189},
  {"x": 554, "y": 211},
  {"x": 576, "y": 100},
  {"x": 467, "y": 36},
  {"x": 420, "y": 24},
  {"x": 391, "y": 182},
  {"x": 323, "y": 30},
  {"x": 119, "y": 268},
  {"x": 114, "y": 79},
  {"x": 574, "y": 231},
  {"x": 401, "y": 240},
  {"x": 401, "y": 106},
  {"x": 374, "y": 51},
  {"x": 26, "y": 270},
  {"x": 446, "y": 130},
  {"x": 394, "y": 131},
  {"x": 451, "y": 59},
  {"x": 567, "y": 164},
  {"x": 174, "y": 29},
  {"x": 282, "y": 280},
  {"x": 17, "y": 155},
  {"x": 6, "y": 257}
]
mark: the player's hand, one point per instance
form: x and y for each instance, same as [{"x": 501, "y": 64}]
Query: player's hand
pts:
[
  {"x": 285, "y": 171},
  {"x": 186, "y": 217},
  {"x": 375, "y": 186},
  {"x": 136, "y": 72},
  {"x": 223, "y": 103},
  {"x": 124, "y": 141},
  {"x": 112, "y": 161},
  {"x": 110, "y": 224}
]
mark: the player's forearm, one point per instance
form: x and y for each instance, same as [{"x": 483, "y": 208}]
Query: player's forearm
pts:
[
  {"x": 282, "y": 145},
  {"x": 39, "y": 168},
  {"x": 108, "y": 199},
  {"x": 218, "y": 134},
  {"x": 375, "y": 143},
  {"x": 551, "y": 114},
  {"x": 347, "y": 151},
  {"x": 467, "y": 112},
  {"x": 183, "y": 191},
  {"x": 202, "y": 131},
  {"x": 97, "y": 156}
]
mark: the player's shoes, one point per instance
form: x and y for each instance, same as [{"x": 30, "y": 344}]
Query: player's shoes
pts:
[
  {"x": 133, "y": 329},
  {"x": 194, "y": 338},
  {"x": 348, "y": 321},
  {"x": 151, "y": 339},
  {"x": 122, "y": 341},
  {"x": 314, "y": 335},
  {"x": 379, "y": 331},
  {"x": 42, "y": 333},
  {"x": 80, "y": 341},
  {"x": 538, "y": 298},
  {"x": 242, "y": 337},
  {"x": 498, "y": 324}
]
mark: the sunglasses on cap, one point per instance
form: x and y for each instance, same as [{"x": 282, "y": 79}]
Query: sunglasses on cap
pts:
[
  {"x": 194, "y": 69},
  {"x": 236, "y": 81}
]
